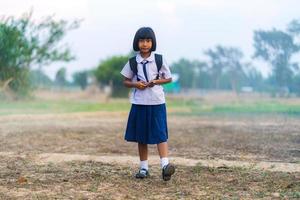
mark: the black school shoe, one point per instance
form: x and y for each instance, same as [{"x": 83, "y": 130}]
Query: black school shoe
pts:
[
  {"x": 167, "y": 172},
  {"x": 142, "y": 173}
]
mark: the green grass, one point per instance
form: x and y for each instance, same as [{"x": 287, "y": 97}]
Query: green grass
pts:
[
  {"x": 257, "y": 108},
  {"x": 264, "y": 107},
  {"x": 178, "y": 107},
  {"x": 62, "y": 106}
]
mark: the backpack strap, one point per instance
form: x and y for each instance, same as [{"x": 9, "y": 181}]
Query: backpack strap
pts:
[
  {"x": 159, "y": 62},
  {"x": 133, "y": 65}
]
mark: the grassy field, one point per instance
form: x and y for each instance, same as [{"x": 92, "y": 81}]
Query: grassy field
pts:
[{"x": 175, "y": 106}]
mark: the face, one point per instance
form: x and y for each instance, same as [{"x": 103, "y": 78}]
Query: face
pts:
[{"x": 145, "y": 45}]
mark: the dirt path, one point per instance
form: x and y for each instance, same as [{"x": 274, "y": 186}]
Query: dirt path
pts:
[{"x": 45, "y": 158}]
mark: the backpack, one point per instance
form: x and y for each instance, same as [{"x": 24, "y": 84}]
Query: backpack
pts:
[{"x": 133, "y": 65}]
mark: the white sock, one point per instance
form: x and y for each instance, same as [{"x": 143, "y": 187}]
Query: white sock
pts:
[
  {"x": 144, "y": 164},
  {"x": 164, "y": 161}
]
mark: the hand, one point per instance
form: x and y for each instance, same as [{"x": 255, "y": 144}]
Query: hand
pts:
[
  {"x": 141, "y": 85},
  {"x": 152, "y": 83}
]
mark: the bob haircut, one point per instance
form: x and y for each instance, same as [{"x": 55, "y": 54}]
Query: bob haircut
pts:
[{"x": 144, "y": 33}]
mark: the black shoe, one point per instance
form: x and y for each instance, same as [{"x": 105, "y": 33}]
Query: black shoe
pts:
[
  {"x": 142, "y": 173},
  {"x": 167, "y": 172}
]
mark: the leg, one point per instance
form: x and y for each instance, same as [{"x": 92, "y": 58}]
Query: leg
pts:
[
  {"x": 143, "y": 151},
  {"x": 167, "y": 169},
  {"x": 162, "y": 149}
]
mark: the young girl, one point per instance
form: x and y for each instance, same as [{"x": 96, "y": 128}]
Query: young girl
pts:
[{"x": 147, "y": 121}]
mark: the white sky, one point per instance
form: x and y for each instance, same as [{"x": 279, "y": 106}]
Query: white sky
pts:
[{"x": 184, "y": 28}]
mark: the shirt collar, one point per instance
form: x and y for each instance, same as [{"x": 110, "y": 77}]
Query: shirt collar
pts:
[{"x": 140, "y": 59}]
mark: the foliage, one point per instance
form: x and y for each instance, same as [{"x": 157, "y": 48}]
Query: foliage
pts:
[
  {"x": 189, "y": 72},
  {"x": 60, "y": 77},
  {"x": 40, "y": 79},
  {"x": 276, "y": 47},
  {"x": 81, "y": 79},
  {"x": 25, "y": 43},
  {"x": 226, "y": 60},
  {"x": 108, "y": 73}
]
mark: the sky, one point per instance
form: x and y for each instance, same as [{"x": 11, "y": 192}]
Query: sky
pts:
[{"x": 184, "y": 28}]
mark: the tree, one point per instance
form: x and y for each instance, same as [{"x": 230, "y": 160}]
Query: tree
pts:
[
  {"x": 216, "y": 64},
  {"x": 81, "y": 79},
  {"x": 108, "y": 73},
  {"x": 234, "y": 66},
  {"x": 25, "y": 43},
  {"x": 254, "y": 78},
  {"x": 200, "y": 77},
  {"x": 226, "y": 60},
  {"x": 189, "y": 72},
  {"x": 60, "y": 77},
  {"x": 295, "y": 85},
  {"x": 276, "y": 47},
  {"x": 40, "y": 79},
  {"x": 294, "y": 30}
]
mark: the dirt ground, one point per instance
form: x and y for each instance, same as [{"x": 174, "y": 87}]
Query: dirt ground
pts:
[{"x": 84, "y": 156}]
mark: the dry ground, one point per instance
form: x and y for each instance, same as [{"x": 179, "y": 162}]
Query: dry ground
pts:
[{"x": 30, "y": 170}]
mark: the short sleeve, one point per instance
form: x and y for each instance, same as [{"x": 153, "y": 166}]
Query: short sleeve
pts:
[
  {"x": 126, "y": 71},
  {"x": 165, "y": 70}
]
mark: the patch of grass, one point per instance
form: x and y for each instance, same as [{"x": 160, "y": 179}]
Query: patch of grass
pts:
[
  {"x": 61, "y": 106},
  {"x": 239, "y": 108},
  {"x": 295, "y": 194},
  {"x": 258, "y": 108},
  {"x": 174, "y": 106}
]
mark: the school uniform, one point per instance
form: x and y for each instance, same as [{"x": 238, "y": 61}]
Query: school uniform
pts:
[{"x": 147, "y": 121}]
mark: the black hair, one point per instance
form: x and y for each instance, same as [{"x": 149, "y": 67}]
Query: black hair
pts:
[{"x": 144, "y": 33}]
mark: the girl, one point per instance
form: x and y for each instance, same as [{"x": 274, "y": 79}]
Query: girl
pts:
[{"x": 147, "y": 121}]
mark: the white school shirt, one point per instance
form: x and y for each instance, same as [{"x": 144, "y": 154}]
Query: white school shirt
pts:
[{"x": 148, "y": 96}]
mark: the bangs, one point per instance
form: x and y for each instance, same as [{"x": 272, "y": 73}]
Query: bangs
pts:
[{"x": 145, "y": 34}]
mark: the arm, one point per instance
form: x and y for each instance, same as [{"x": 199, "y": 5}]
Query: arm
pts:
[
  {"x": 139, "y": 85},
  {"x": 162, "y": 81},
  {"x": 159, "y": 82}
]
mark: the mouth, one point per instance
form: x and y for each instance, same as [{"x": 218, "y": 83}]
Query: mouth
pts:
[{"x": 145, "y": 49}]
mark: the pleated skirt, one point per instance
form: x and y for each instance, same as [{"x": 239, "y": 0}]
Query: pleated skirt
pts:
[{"x": 147, "y": 124}]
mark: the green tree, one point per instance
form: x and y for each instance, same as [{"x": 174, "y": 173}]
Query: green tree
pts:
[
  {"x": 254, "y": 79},
  {"x": 60, "y": 77},
  {"x": 81, "y": 79},
  {"x": 25, "y": 43},
  {"x": 234, "y": 67},
  {"x": 188, "y": 71},
  {"x": 216, "y": 64},
  {"x": 226, "y": 60},
  {"x": 108, "y": 73},
  {"x": 201, "y": 75},
  {"x": 40, "y": 79},
  {"x": 276, "y": 47},
  {"x": 295, "y": 85},
  {"x": 294, "y": 29}
]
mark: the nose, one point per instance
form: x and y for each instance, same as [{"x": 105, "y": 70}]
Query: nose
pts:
[{"x": 144, "y": 43}]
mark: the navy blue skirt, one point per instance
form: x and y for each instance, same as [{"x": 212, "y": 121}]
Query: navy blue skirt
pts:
[{"x": 147, "y": 124}]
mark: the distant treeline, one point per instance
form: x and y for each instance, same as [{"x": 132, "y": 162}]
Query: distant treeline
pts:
[{"x": 25, "y": 44}]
